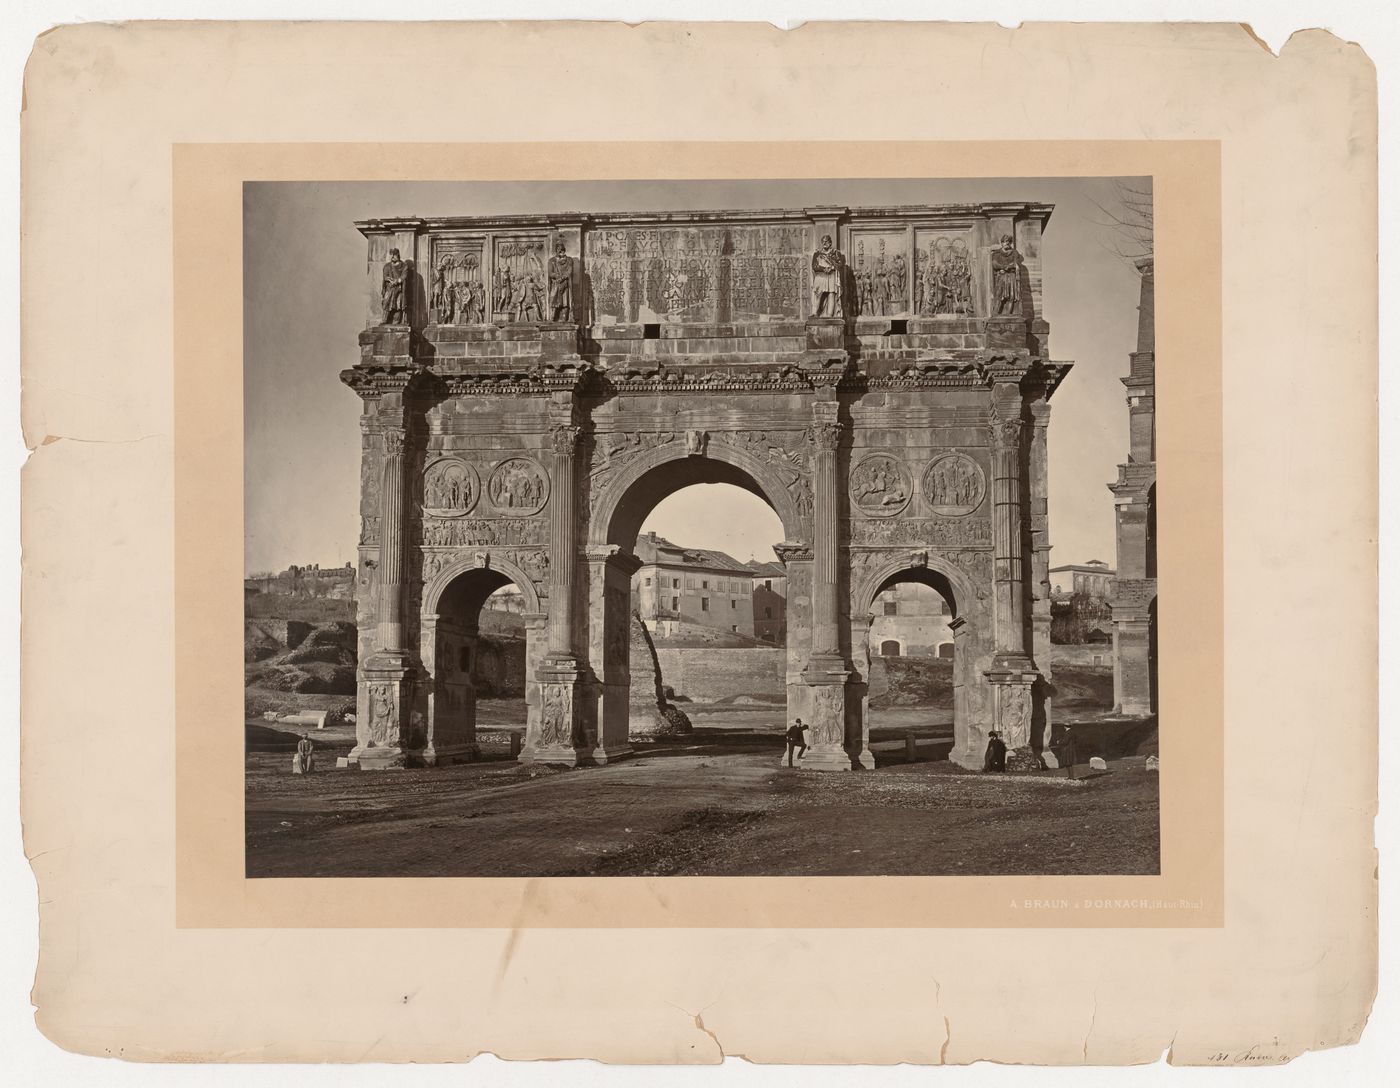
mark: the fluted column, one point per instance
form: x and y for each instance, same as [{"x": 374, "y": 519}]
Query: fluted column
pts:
[
  {"x": 826, "y": 540},
  {"x": 566, "y": 730},
  {"x": 1013, "y": 676},
  {"x": 392, "y": 565},
  {"x": 563, "y": 559},
  {"x": 1006, "y": 527},
  {"x": 827, "y": 673}
]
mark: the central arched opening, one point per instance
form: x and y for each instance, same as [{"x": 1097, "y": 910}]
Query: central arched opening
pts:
[
  {"x": 911, "y": 654},
  {"x": 478, "y": 628},
  {"x": 695, "y": 608}
]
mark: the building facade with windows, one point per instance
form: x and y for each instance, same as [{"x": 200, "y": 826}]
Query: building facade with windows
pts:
[
  {"x": 676, "y": 585},
  {"x": 911, "y": 620},
  {"x": 1091, "y": 579},
  {"x": 769, "y": 602}
]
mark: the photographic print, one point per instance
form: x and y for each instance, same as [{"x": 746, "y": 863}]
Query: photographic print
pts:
[{"x": 747, "y": 528}]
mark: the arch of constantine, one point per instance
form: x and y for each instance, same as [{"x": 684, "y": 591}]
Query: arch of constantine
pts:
[{"x": 534, "y": 385}]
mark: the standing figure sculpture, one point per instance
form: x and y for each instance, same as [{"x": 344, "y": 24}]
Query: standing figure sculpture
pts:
[
  {"x": 528, "y": 302},
  {"x": 827, "y": 270},
  {"x": 899, "y": 283},
  {"x": 472, "y": 298},
  {"x": 880, "y": 291},
  {"x": 442, "y": 293},
  {"x": 504, "y": 292},
  {"x": 393, "y": 292},
  {"x": 561, "y": 285},
  {"x": 1006, "y": 278},
  {"x": 933, "y": 285}
]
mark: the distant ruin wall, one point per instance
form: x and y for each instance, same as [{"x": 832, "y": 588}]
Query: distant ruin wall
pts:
[{"x": 704, "y": 675}]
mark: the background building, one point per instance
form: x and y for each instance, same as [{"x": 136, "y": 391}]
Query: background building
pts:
[
  {"x": 769, "y": 601},
  {"x": 1093, "y": 579},
  {"x": 677, "y": 585},
  {"x": 312, "y": 581},
  {"x": 911, "y": 620}
]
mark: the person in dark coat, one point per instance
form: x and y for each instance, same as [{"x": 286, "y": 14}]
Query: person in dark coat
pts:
[
  {"x": 796, "y": 740},
  {"x": 995, "y": 759}
]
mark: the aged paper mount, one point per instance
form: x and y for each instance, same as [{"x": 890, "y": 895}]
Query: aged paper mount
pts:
[{"x": 148, "y": 897}]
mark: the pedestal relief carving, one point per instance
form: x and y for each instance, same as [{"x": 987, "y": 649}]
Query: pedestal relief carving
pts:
[
  {"x": 383, "y": 717},
  {"x": 556, "y": 717},
  {"x": 828, "y": 714}
]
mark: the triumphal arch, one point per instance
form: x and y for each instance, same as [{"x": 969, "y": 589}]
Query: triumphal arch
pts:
[{"x": 533, "y": 385}]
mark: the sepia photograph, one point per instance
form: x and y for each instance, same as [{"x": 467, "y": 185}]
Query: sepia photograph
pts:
[{"x": 700, "y": 528}]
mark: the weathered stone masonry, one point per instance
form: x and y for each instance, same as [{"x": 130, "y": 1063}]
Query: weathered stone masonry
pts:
[{"x": 534, "y": 385}]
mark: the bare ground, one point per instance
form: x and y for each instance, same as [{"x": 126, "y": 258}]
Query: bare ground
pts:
[{"x": 714, "y": 803}]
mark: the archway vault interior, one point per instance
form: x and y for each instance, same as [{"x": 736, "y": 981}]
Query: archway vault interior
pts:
[
  {"x": 661, "y": 481},
  {"x": 926, "y": 576},
  {"x": 464, "y": 596}
]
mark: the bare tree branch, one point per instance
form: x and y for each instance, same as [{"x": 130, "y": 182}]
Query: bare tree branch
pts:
[{"x": 1127, "y": 222}]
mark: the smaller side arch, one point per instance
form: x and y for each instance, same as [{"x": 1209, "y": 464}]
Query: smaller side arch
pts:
[{"x": 437, "y": 585}]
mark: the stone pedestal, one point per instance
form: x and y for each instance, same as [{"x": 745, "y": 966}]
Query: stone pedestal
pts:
[
  {"x": 559, "y": 739},
  {"x": 826, "y": 677},
  {"x": 1006, "y": 332},
  {"x": 384, "y": 735},
  {"x": 1013, "y": 680},
  {"x": 558, "y": 339}
]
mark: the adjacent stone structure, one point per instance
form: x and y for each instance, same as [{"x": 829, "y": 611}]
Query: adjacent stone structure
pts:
[
  {"x": 880, "y": 376},
  {"x": 1134, "y": 599}
]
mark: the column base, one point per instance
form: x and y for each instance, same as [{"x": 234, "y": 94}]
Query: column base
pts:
[
  {"x": 557, "y": 754},
  {"x": 380, "y": 759},
  {"x": 602, "y": 756},
  {"x": 866, "y": 759},
  {"x": 442, "y": 755},
  {"x": 826, "y": 759}
]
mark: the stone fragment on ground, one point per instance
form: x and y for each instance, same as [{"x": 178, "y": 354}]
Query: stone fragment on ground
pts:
[
  {"x": 1152, "y": 763},
  {"x": 1022, "y": 759},
  {"x": 1097, "y": 763}
]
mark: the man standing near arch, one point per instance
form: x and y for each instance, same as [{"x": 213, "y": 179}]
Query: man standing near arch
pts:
[{"x": 796, "y": 740}]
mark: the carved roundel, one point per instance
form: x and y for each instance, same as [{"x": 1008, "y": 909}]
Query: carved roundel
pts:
[
  {"x": 451, "y": 488},
  {"x": 518, "y": 488},
  {"x": 880, "y": 486},
  {"x": 954, "y": 484}
]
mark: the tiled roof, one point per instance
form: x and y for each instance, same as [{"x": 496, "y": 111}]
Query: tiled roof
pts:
[{"x": 657, "y": 549}]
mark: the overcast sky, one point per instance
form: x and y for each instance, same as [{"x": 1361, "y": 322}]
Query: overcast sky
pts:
[{"x": 304, "y": 291}]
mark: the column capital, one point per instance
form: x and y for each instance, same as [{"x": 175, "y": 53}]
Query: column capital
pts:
[
  {"x": 395, "y": 436},
  {"x": 826, "y": 434},
  {"x": 1006, "y": 433},
  {"x": 563, "y": 437}
]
